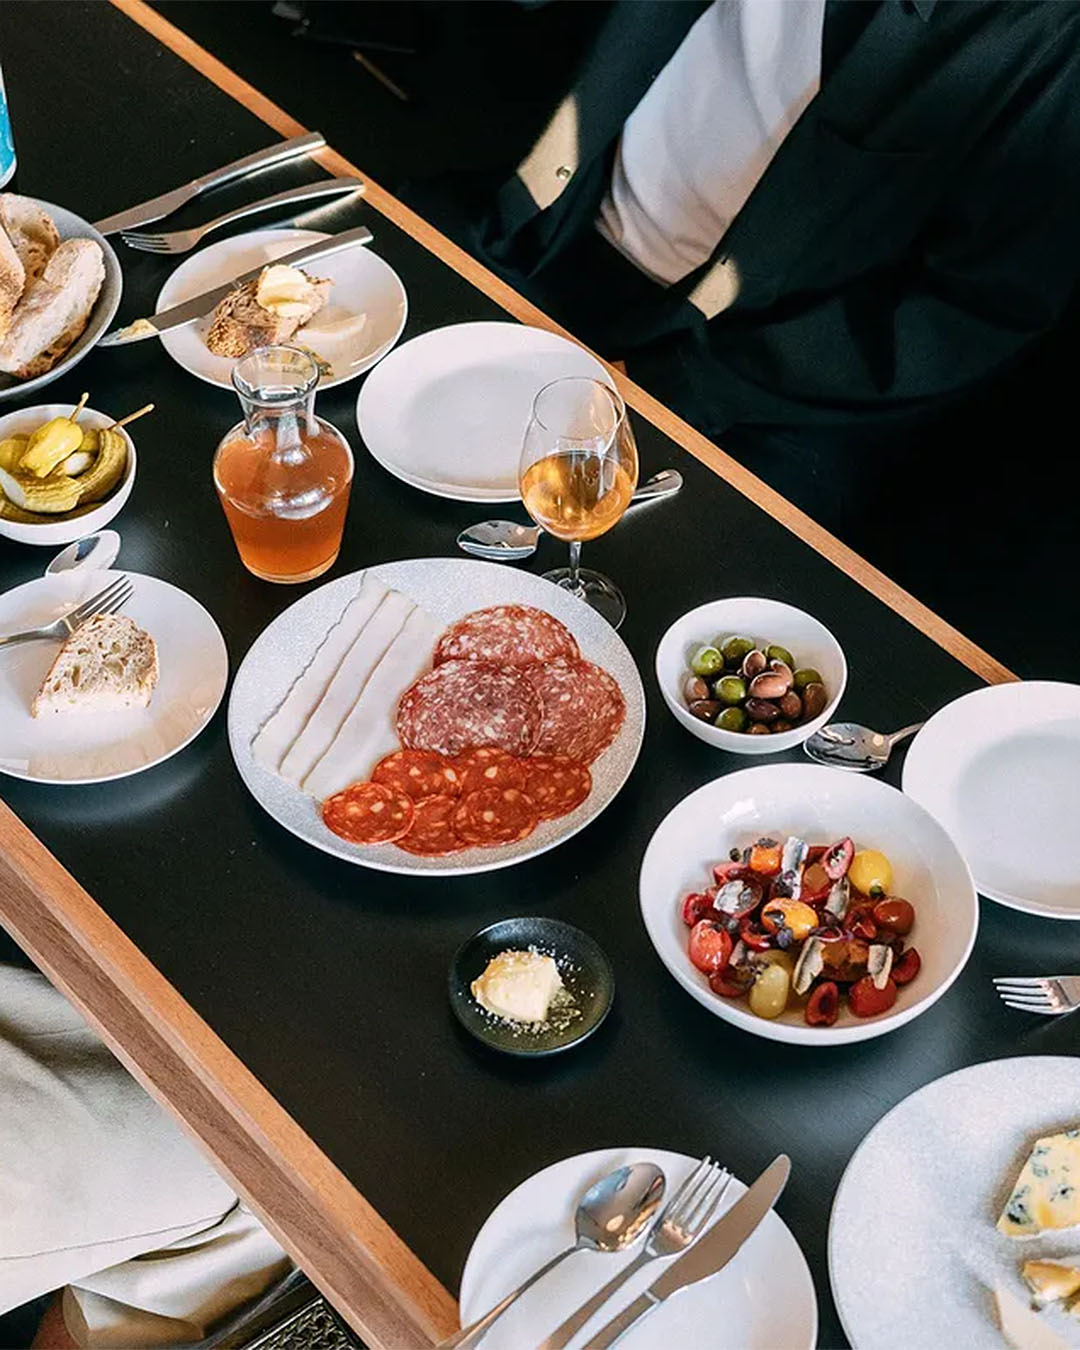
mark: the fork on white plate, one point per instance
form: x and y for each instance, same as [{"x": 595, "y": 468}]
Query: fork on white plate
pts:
[
  {"x": 1048, "y": 994},
  {"x": 108, "y": 600}
]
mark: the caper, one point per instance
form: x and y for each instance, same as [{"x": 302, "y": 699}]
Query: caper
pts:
[
  {"x": 808, "y": 675},
  {"x": 705, "y": 709},
  {"x": 778, "y": 653},
  {"x": 732, "y": 719},
  {"x": 695, "y": 688},
  {"x": 730, "y": 690},
  {"x": 753, "y": 664},
  {"x": 761, "y": 710},
  {"x": 734, "y": 649},
  {"x": 814, "y": 700},
  {"x": 706, "y": 661}
]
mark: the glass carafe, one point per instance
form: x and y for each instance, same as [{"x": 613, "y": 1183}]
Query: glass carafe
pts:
[{"x": 282, "y": 474}]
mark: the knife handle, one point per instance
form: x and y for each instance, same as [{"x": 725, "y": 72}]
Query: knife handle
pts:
[
  {"x": 261, "y": 159},
  {"x": 621, "y": 1324},
  {"x": 565, "y": 1332}
]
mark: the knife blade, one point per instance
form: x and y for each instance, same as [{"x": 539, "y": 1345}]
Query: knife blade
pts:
[
  {"x": 709, "y": 1254},
  {"x": 168, "y": 202},
  {"x": 190, "y": 310}
]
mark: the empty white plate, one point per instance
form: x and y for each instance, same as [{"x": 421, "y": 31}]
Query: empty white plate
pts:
[
  {"x": 363, "y": 284},
  {"x": 91, "y": 748},
  {"x": 447, "y": 412},
  {"x": 762, "y": 1300},
  {"x": 1000, "y": 768}
]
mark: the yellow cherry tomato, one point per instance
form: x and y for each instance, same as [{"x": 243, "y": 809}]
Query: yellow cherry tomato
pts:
[
  {"x": 870, "y": 870},
  {"x": 769, "y": 992},
  {"x": 794, "y": 914}
]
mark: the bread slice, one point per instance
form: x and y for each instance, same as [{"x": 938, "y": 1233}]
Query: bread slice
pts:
[
  {"x": 12, "y": 280},
  {"x": 54, "y": 310},
  {"x": 32, "y": 232},
  {"x": 241, "y": 324},
  {"x": 106, "y": 664}
]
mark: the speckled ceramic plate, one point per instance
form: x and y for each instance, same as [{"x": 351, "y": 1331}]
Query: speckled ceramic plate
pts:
[
  {"x": 914, "y": 1255},
  {"x": 447, "y": 588},
  {"x": 586, "y": 972}
]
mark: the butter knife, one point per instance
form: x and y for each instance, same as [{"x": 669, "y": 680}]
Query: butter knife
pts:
[
  {"x": 169, "y": 202},
  {"x": 200, "y": 305},
  {"x": 709, "y": 1254}
]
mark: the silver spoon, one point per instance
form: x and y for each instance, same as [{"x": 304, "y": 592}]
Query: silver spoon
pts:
[
  {"x": 846, "y": 745},
  {"x": 507, "y": 541},
  {"x": 95, "y": 551},
  {"x": 610, "y": 1216}
]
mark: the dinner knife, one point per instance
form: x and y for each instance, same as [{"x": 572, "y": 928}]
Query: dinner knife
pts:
[
  {"x": 169, "y": 202},
  {"x": 200, "y": 305},
  {"x": 709, "y": 1254}
]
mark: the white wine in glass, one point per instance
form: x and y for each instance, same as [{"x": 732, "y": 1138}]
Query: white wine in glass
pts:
[{"x": 579, "y": 469}]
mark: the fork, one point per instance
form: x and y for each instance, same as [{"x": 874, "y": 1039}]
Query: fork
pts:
[
  {"x": 182, "y": 241},
  {"x": 1050, "y": 994},
  {"x": 112, "y": 597},
  {"x": 684, "y": 1218}
]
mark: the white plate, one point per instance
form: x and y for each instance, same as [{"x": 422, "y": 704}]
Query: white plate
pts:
[
  {"x": 447, "y": 588},
  {"x": 913, "y": 1252},
  {"x": 447, "y": 413},
  {"x": 363, "y": 283},
  {"x": 819, "y": 805},
  {"x": 1000, "y": 768},
  {"x": 737, "y": 1308},
  {"x": 92, "y": 749}
]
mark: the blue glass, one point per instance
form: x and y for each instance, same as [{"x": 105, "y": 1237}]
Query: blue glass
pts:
[{"x": 7, "y": 140}]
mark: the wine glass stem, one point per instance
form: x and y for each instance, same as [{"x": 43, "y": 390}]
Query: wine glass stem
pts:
[{"x": 573, "y": 581}]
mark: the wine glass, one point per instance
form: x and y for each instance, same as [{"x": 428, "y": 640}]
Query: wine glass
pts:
[{"x": 578, "y": 471}]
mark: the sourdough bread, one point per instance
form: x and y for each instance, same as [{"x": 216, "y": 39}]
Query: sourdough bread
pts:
[
  {"x": 54, "y": 310},
  {"x": 106, "y": 664}
]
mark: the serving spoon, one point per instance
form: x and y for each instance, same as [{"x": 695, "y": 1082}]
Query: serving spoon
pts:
[
  {"x": 507, "y": 541},
  {"x": 610, "y": 1216},
  {"x": 847, "y": 745}
]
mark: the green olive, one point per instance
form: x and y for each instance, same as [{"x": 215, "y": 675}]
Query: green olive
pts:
[
  {"x": 808, "y": 675},
  {"x": 734, "y": 649},
  {"x": 706, "y": 661},
  {"x": 777, "y": 653},
  {"x": 732, "y": 719},
  {"x": 730, "y": 690}
]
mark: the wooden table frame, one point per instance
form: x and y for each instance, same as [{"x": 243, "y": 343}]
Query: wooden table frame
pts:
[{"x": 362, "y": 1266}]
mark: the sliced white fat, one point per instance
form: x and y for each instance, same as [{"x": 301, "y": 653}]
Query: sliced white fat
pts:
[
  {"x": 1023, "y": 1329},
  {"x": 284, "y": 725},
  {"x": 346, "y": 686},
  {"x": 370, "y": 732}
]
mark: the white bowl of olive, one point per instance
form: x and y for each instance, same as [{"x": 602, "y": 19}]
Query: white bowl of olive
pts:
[{"x": 749, "y": 675}]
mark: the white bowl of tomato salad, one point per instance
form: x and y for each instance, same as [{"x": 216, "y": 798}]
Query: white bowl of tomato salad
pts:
[{"x": 836, "y": 883}]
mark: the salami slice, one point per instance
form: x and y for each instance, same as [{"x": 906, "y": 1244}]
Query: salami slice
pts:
[
  {"x": 494, "y": 816},
  {"x": 488, "y": 766},
  {"x": 432, "y": 833},
  {"x": 417, "y": 773},
  {"x": 583, "y": 709},
  {"x": 507, "y": 635},
  {"x": 462, "y": 704},
  {"x": 368, "y": 813},
  {"x": 556, "y": 785}
]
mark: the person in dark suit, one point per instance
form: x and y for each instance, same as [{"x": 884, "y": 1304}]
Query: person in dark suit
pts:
[{"x": 807, "y": 225}]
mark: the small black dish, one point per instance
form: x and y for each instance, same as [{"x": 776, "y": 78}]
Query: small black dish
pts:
[{"x": 584, "y": 968}]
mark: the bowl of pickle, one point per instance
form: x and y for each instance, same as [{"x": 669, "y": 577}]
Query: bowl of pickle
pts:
[
  {"x": 65, "y": 471},
  {"x": 750, "y": 675}
]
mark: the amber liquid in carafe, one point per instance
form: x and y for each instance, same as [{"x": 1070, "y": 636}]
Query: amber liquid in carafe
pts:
[{"x": 287, "y": 518}]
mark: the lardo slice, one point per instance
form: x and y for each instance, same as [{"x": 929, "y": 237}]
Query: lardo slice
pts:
[
  {"x": 346, "y": 686},
  {"x": 369, "y": 732},
  {"x": 277, "y": 734},
  {"x": 108, "y": 663}
]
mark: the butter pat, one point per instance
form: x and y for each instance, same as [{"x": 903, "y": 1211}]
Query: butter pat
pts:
[
  {"x": 284, "y": 291},
  {"x": 1046, "y": 1195},
  {"x": 519, "y": 986}
]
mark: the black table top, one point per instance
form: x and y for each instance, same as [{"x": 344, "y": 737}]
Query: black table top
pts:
[{"x": 329, "y": 981}]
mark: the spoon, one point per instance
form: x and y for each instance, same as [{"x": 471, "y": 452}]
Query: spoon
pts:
[
  {"x": 96, "y": 550},
  {"x": 846, "y": 745},
  {"x": 507, "y": 541},
  {"x": 610, "y": 1216}
]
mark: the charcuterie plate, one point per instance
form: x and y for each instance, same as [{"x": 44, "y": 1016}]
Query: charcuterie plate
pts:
[{"x": 437, "y": 716}]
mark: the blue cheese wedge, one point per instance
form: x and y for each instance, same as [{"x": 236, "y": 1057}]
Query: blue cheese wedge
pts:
[
  {"x": 1051, "y": 1281},
  {"x": 1046, "y": 1196}
]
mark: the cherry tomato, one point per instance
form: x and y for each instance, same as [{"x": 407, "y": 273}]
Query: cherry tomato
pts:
[
  {"x": 894, "y": 913},
  {"x": 863, "y": 926},
  {"x": 710, "y": 945},
  {"x": 816, "y": 883},
  {"x": 907, "y": 967},
  {"x": 765, "y": 857},
  {"x": 815, "y": 853},
  {"x": 755, "y": 937},
  {"x": 837, "y": 859},
  {"x": 793, "y": 914},
  {"x": 824, "y": 1006},
  {"x": 737, "y": 898},
  {"x": 696, "y": 906},
  {"x": 866, "y": 1000},
  {"x": 731, "y": 982},
  {"x": 730, "y": 871}
]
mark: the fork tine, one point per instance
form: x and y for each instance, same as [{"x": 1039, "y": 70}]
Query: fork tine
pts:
[
  {"x": 115, "y": 604},
  {"x": 1044, "y": 1008},
  {"x": 87, "y": 607},
  {"x": 693, "y": 1203},
  {"x": 691, "y": 1187},
  {"x": 1019, "y": 982},
  {"x": 706, "y": 1207}
]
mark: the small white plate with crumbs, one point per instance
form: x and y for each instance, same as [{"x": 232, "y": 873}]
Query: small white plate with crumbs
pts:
[
  {"x": 360, "y": 322},
  {"x": 95, "y": 746},
  {"x": 915, "y": 1257},
  {"x": 762, "y": 1300}
]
